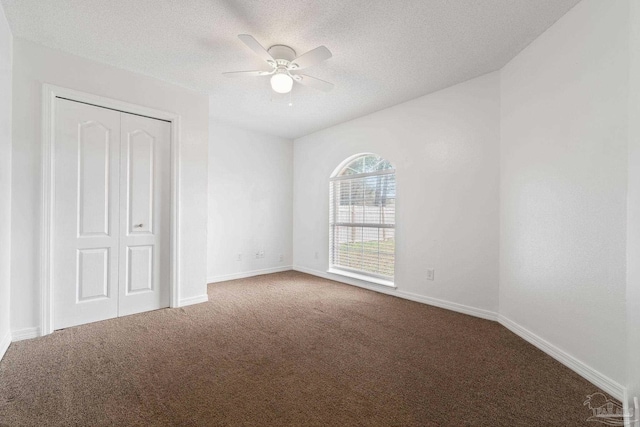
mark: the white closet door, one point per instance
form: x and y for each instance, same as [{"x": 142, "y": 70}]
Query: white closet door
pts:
[
  {"x": 86, "y": 213},
  {"x": 144, "y": 214}
]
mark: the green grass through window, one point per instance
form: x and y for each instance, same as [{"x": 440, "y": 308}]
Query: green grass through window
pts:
[{"x": 371, "y": 256}]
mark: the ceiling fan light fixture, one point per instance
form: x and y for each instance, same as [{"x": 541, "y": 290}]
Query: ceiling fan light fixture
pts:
[
  {"x": 283, "y": 60},
  {"x": 281, "y": 82}
]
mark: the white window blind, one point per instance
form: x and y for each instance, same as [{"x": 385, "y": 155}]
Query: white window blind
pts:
[{"x": 362, "y": 218}]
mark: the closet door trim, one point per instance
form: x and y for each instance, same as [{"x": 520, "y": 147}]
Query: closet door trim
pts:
[{"x": 49, "y": 95}]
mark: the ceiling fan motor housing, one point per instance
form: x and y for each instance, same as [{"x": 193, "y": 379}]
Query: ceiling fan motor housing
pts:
[{"x": 282, "y": 52}]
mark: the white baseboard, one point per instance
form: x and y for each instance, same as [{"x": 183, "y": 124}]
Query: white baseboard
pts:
[
  {"x": 596, "y": 378},
  {"x": 25, "y": 334},
  {"x": 453, "y": 306},
  {"x": 193, "y": 300},
  {"x": 5, "y": 342},
  {"x": 245, "y": 274},
  {"x": 625, "y": 409},
  {"x": 347, "y": 280}
]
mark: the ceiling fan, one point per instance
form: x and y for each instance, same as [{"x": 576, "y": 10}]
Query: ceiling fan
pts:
[{"x": 285, "y": 65}]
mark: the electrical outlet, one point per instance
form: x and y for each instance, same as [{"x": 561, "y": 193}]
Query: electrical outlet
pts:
[
  {"x": 261, "y": 254},
  {"x": 316, "y": 255},
  {"x": 281, "y": 258},
  {"x": 239, "y": 257},
  {"x": 431, "y": 274},
  {"x": 258, "y": 255}
]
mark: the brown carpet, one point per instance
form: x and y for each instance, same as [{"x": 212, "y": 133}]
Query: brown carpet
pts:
[{"x": 289, "y": 349}]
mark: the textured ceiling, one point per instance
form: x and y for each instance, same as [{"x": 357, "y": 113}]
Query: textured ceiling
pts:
[{"x": 384, "y": 52}]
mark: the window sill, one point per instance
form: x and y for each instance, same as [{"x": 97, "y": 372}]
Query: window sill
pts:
[{"x": 362, "y": 277}]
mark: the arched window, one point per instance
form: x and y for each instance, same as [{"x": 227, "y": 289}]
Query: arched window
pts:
[{"x": 362, "y": 217}]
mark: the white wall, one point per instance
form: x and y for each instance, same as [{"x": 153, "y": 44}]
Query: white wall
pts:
[
  {"x": 6, "y": 42},
  {"x": 34, "y": 65},
  {"x": 250, "y": 202},
  {"x": 633, "y": 210},
  {"x": 563, "y": 185},
  {"x": 445, "y": 150}
]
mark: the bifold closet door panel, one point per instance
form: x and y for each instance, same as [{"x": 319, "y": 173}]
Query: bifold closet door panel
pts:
[
  {"x": 86, "y": 219},
  {"x": 145, "y": 216}
]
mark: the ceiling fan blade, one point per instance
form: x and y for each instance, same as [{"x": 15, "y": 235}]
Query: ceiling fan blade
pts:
[
  {"x": 310, "y": 58},
  {"x": 313, "y": 82},
  {"x": 247, "y": 73},
  {"x": 257, "y": 48}
]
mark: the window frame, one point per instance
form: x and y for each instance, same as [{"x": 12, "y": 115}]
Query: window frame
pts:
[{"x": 338, "y": 175}]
